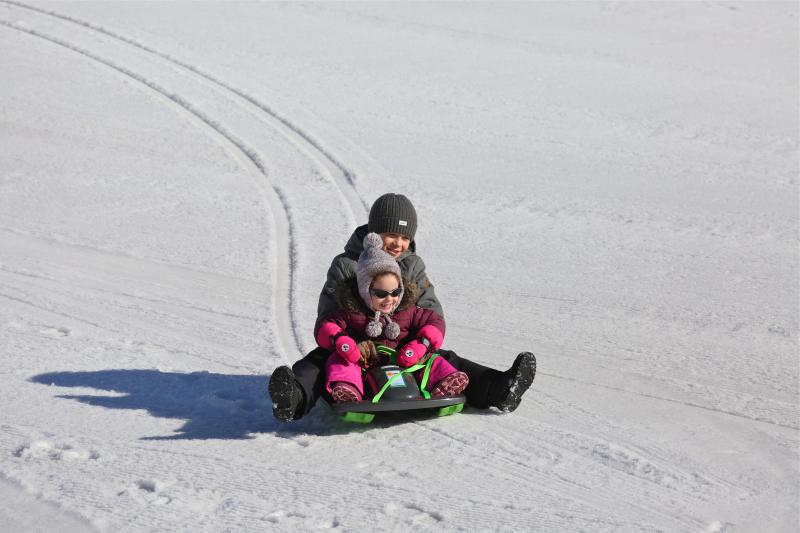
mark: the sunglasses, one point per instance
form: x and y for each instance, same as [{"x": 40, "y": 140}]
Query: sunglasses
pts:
[{"x": 380, "y": 293}]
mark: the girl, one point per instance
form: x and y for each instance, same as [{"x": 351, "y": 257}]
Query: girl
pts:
[{"x": 377, "y": 307}]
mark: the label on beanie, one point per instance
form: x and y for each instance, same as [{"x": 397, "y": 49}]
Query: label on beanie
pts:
[{"x": 402, "y": 222}]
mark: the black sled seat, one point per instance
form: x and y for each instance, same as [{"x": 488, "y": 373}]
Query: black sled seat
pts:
[{"x": 395, "y": 389}]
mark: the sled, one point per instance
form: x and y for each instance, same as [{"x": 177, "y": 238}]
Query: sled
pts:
[{"x": 395, "y": 389}]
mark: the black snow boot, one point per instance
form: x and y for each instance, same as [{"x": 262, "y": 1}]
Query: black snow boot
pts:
[
  {"x": 506, "y": 392},
  {"x": 285, "y": 393}
]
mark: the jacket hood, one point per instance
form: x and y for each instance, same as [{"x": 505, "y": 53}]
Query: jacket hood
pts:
[
  {"x": 355, "y": 245},
  {"x": 347, "y": 296}
]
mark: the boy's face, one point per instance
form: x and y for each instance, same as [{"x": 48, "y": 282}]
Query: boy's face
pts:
[{"x": 395, "y": 244}]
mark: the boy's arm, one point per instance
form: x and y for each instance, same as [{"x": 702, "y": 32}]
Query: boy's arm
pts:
[
  {"x": 427, "y": 297},
  {"x": 341, "y": 268}
]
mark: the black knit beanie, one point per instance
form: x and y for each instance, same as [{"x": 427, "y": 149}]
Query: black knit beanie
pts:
[{"x": 393, "y": 213}]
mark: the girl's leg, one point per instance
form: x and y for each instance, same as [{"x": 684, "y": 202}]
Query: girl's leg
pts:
[
  {"x": 338, "y": 369},
  {"x": 440, "y": 369},
  {"x": 445, "y": 380}
]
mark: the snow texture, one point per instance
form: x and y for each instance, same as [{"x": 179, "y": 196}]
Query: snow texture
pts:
[{"x": 613, "y": 186}]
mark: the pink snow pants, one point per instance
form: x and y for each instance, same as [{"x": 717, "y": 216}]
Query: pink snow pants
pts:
[{"x": 339, "y": 369}]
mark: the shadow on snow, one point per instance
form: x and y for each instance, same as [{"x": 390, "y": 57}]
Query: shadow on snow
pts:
[{"x": 214, "y": 406}]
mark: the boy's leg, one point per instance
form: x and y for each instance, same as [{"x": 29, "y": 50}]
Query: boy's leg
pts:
[
  {"x": 310, "y": 375},
  {"x": 294, "y": 391},
  {"x": 480, "y": 378},
  {"x": 492, "y": 388}
]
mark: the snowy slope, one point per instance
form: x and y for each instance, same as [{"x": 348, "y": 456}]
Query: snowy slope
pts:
[{"x": 612, "y": 186}]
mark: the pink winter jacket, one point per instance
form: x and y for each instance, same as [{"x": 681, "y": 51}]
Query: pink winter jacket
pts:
[{"x": 353, "y": 317}]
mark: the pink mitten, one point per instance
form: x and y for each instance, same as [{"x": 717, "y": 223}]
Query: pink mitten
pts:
[
  {"x": 329, "y": 336},
  {"x": 325, "y": 332},
  {"x": 433, "y": 334},
  {"x": 411, "y": 353},
  {"x": 347, "y": 348}
]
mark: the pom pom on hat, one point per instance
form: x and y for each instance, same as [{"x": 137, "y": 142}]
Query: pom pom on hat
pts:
[
  {"x": 392, "y": 329},
  {"x": 374, "y": 328},
  {"x": 372, "y": 240}
]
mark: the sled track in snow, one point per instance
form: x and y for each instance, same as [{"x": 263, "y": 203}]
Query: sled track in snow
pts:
[
  {"x": 246, "y": 156},
  {"x": 285, "y": 227},
  {"x": 344, "y": 179}
]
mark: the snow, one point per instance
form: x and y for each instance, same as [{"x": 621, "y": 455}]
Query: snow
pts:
[{"x": 613, "y": 186}]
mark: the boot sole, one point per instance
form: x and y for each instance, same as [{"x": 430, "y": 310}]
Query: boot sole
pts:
[
  {"x": 282, "y": 390},
  {"x": 452, "y": 385},
  {"x": 520, "y": 383},
  {"x": 341, "y": 394}
]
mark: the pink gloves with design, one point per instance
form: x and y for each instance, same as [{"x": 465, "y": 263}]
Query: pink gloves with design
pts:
[
  {"x": 330, "y": 337},
  {"x": 414, "y": 351},
  {"x": 411, "y": 353},
  {"x": 346, "y": 347}
]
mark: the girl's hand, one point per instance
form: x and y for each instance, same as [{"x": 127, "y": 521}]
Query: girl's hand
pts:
[
  {"x": 347, "y": 348},
  {"x": 411, "y": 353},
  {"x": 433, "y": 334},
  {"x": 369, "y": 354}
]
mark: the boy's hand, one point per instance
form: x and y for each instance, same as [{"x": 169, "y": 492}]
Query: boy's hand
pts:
[
  {"x": 369, "y": 354},
  {"x": 411, "y": 354}
]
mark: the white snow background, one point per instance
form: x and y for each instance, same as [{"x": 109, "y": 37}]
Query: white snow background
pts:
[{"x": 613, "y": 186}]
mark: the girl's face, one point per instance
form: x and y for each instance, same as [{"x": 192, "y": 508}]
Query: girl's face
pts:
[
  {"x": 387, "y": 287},
  {"x": 395, "y": 244}
]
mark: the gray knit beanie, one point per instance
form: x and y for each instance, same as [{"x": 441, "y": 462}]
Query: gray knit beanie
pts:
[
  {"x": 373, "y": 261},
  {"x": 393, "y": 213}
]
